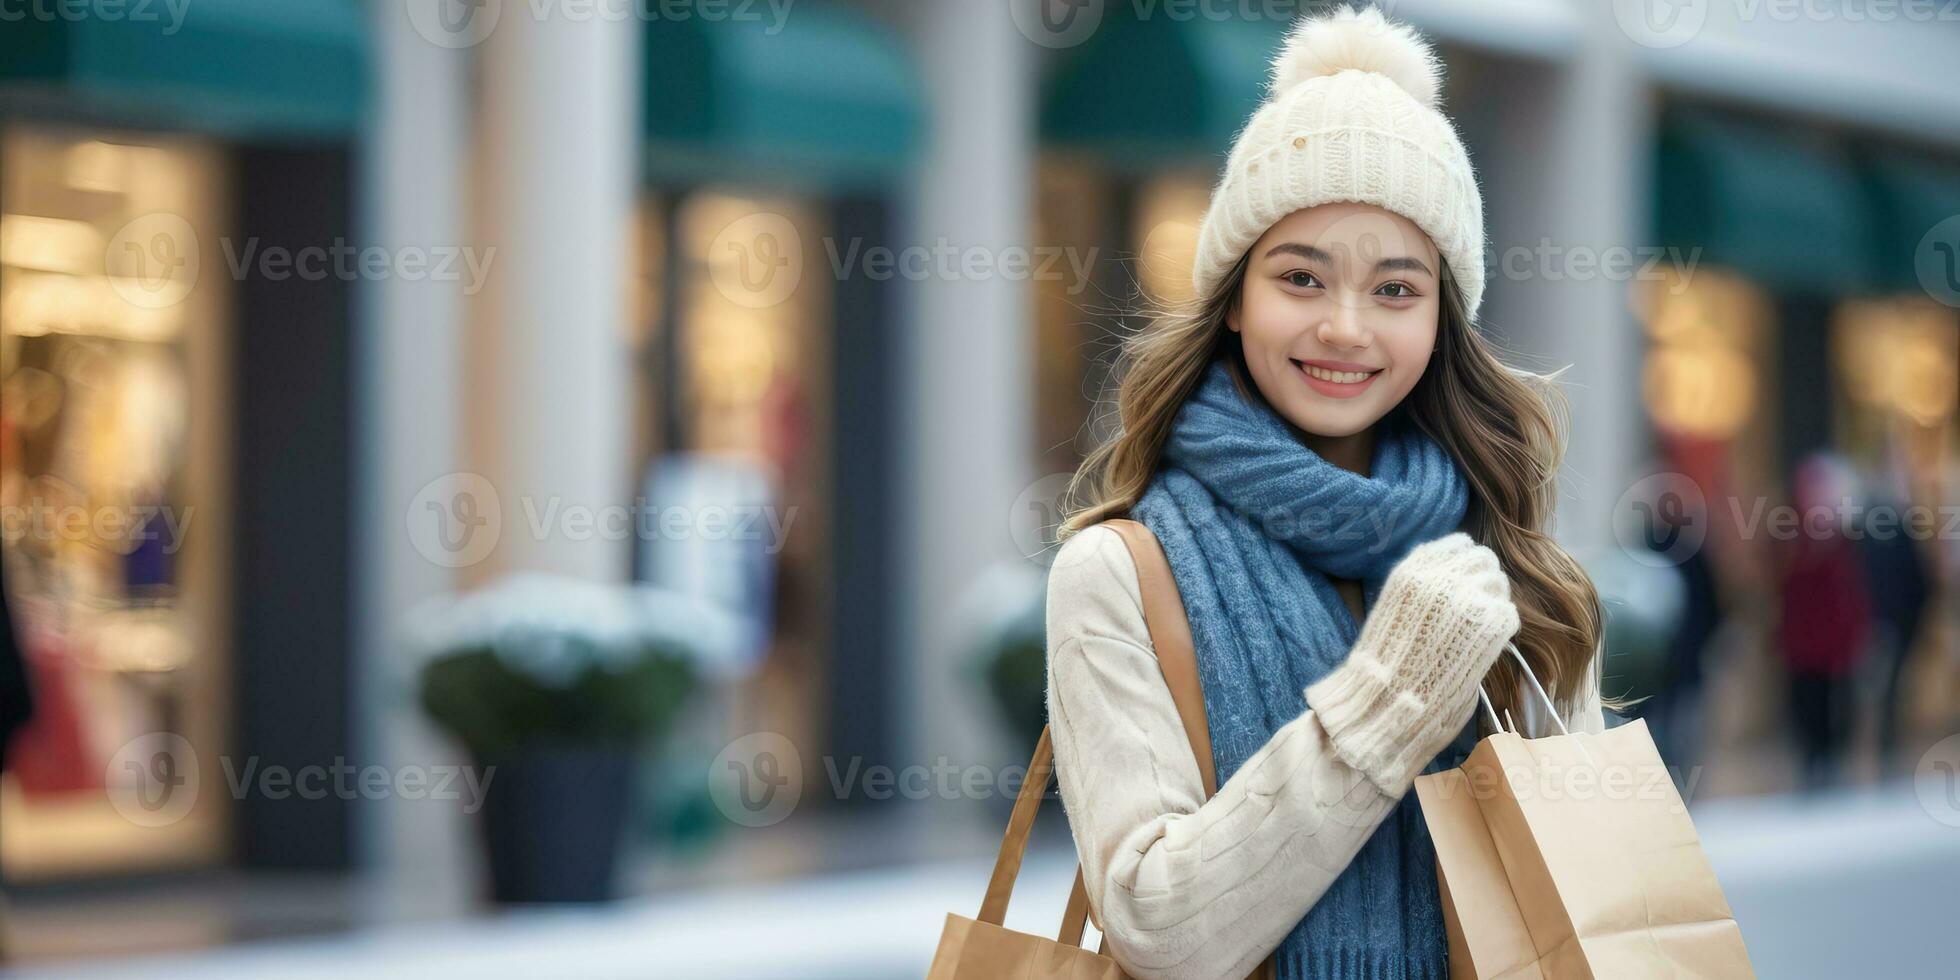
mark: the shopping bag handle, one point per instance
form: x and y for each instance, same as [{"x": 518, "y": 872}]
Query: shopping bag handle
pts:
[{"x": 1536, "y": 687}]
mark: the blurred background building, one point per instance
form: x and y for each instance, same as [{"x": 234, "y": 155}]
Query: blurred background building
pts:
[{"x": 312, "y": 312}]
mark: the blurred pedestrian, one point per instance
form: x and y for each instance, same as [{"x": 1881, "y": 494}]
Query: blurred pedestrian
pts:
[
  {"x": 1675, "y": 710},
  {"x": 1824, "y": 619},
  {"x": 1900, "y": 585}
]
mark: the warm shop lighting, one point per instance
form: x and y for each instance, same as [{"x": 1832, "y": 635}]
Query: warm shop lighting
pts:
[
  {"x": 29, "y": 241},
  {"x": 1168, "y": 213},
  {"x": 1900, "y": 356},
  {"x": 1699, "y": 379}
]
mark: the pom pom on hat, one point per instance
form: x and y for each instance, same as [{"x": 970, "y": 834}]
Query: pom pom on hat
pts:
[
  {"x": 1352, "y": 116},
  {"x": 1361, "y": 40}
]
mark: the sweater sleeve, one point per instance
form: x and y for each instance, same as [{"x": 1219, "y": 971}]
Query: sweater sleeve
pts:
[{"x": 1184, "y": 888}]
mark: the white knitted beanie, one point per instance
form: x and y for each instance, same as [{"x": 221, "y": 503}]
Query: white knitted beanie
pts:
[{"x": 1350, "y": 116}]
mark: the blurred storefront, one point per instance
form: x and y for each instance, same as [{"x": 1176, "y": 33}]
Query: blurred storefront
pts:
[
  {"x": 765, "y": 359},
  {"x": 152, "y": 537},
  {"x": 1134, "y": 124}
]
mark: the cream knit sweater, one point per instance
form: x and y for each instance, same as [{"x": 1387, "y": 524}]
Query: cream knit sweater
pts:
[{"x": 1187, "y": 888}]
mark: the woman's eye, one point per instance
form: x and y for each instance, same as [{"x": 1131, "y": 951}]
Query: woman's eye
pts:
[
  {"x": 1396, "y": 290},
  {"x": 1301, "y": 280}
]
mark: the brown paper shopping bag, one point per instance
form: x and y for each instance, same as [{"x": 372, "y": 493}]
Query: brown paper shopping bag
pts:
[
  {"x": 1601, "y": 862},
  {"x": 1487, "y": 933},
  {"x": 983, "y": 949}
]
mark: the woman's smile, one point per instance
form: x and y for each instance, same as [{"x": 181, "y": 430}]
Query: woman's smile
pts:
[{"x": 1337, "y": 379}]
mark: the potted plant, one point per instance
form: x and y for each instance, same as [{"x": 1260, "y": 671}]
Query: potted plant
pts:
[{"x": 556, "y": 686}]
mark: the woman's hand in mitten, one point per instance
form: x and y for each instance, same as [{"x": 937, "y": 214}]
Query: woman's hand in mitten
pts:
[{"x": 1410, "y": 683}]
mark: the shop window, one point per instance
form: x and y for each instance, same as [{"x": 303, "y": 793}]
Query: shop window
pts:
[
  {"x": 1897, "y": 362},
  {"x": 113, "y": 320},
  {"x": 736, "y": 371}
]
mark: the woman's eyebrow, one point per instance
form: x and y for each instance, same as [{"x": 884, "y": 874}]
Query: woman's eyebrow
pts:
[
  {"x": 1313, "y": 254},
  {"x": 1403, "y": 263},
  {"x": 1307, "y": 252}
]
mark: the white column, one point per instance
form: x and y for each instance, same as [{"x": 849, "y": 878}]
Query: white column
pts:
[
  {"x": 547, "y": 371},
  {"x": 968, "y": 439},
  {"x": 1567, "y": 171},
  {"x": 413, "y": 167}
]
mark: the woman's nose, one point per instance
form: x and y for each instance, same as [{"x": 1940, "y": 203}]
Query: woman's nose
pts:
[{"x": 1343, "y": 326}]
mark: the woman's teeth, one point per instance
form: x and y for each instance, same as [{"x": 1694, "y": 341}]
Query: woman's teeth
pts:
[{"x": 1338, "y": 377}]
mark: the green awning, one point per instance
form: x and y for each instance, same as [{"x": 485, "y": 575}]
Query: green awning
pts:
[
  {"x": 828, "y": 99},
  {"x": 1146, "y": 92},
  {"x": 227, "y": 67},
  {"x": 1910, "y": 195},
  {"x": 1785, "y": 208}
]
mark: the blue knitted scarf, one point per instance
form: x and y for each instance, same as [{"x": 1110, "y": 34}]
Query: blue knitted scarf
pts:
[{"x": 1257, "y": 527}]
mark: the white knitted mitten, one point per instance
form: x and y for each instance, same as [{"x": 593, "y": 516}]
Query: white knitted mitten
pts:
[{"x": 1410, "y": 683}]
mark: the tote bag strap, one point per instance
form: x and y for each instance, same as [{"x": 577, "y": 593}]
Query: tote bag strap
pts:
[
  {"x": 1014, "y": 846},
  {"x": 1170, "y": 637},
  {"x": 1019, "y": 824}
]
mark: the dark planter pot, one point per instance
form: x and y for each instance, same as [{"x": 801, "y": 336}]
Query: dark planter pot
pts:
[{"x": 552, "y": 822}]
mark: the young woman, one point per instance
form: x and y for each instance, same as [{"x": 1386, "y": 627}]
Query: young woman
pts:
[{"x": 1352, "y": 492}]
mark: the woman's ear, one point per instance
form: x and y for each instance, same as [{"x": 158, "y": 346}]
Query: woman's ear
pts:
[{"x": 1232, "y": 317}]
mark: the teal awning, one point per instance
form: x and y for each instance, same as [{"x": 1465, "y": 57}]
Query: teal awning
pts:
[
  {"x": 1785, "y": 208},
  {"x": 830, "y": 98},
  {"x": 1910, "y": 195},
  {"x": 227, "y": 67},
  {"x": 1147, "y": 92}
]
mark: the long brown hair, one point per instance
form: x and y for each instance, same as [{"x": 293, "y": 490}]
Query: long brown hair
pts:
[{"x": 1504, "y": 426}]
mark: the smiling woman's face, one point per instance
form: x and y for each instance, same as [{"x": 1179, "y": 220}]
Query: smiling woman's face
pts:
[{"x": 1338, "y": 315}]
